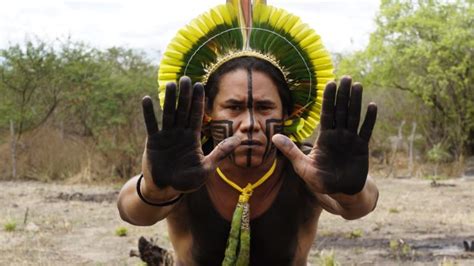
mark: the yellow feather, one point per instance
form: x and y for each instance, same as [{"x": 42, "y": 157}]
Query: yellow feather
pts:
[
  {"x": 320, "y": 87},
  {"x": 163, "y": 83},
  {"x": 322, "y": 62},
  {"x": 327, "y": 66},
  {"x": 234, "y": 3},
  {"x": 292, "y": 21},
  {"x": 201, "y": 23},
  {"x": 216, "y": 17},
  {"x": 173, "y": 54},
  {"x": 275, "y": 16},
  {"x": 323, "y": 79},
  {"x": 168, "y": 76},
  {"x": 314, "y": 46},
  {"x": 264, "y": 13},
  {"x": 284, "y": 17},
  {"x": 194, "y": 31},
  {"x": 171, "y": 61},
  {"x": 184, "y": 32},
  {"x": 179, "y": 38},
  {"x": 196, "y": 26},
  {"x": 304, "y": 32},
  {"x": 170, "y": 68},
  {"x": 310, "y": 39},
  {"x": 257, "y": 13},
  {"x": 307, "y": 130},
  {"x": 318, "y": 54},
  {"x": 313, "y": 123},
  {"x": 299, "y": 26},
  {"x": 207, "y": 19},
  {"x": 177, "y": 47},
  {"x": 224, "y": 11}
]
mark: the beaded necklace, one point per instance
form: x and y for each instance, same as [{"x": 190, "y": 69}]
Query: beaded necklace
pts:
[{"x": 238, "y": 244}]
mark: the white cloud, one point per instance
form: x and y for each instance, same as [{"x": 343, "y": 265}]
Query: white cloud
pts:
[{"x": 343, "y": 24}]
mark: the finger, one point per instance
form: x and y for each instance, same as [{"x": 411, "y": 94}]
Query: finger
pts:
[
  {"x": 222, "y": 150},
  {"x": 184, "y": 102},
  {"x": 327, "y": 110},
  {"x": 354, "y": 108},
  {"x": 369, "y": 122},
  {"x": 342, "y": 101},
  {"x": 197, "y": 108},
  {"x": 289, "y": 149},
  {"x": 149, "y": 115},
  {"x": 169, "y": 106}
]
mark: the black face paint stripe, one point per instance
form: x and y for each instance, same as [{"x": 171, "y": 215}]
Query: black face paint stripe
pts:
[
  {"x": 250, "y": 109},
  {"x": 272, "y": 127},
  {"x": 222, "y": 129}
]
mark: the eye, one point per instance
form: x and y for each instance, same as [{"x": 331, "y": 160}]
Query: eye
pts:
[
  {"x": 264, "y": 107},
  {"x": 234, "y": 107}
]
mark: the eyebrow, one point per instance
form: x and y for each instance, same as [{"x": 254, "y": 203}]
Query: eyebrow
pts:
[
  {"x": 265, "y": 102},
  {"x": 259, "y": 102},
  {"x": 234, "y": 101}
]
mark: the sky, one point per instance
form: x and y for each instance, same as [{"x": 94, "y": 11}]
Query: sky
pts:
[{"x": 344, "y": 25}]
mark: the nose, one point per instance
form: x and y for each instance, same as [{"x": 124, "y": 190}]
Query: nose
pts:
[{"x": 249, "y": 123}]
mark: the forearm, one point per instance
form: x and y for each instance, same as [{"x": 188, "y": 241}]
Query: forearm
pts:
[
  {"x": 357, "y": 205},
  {"x": 351, "y": 206},
  {"x": 133, "y": 210}
]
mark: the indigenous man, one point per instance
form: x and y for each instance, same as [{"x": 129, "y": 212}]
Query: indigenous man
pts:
[{"x": 251, "y": 194}]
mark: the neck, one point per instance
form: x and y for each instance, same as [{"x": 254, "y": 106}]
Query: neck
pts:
[{"x": 245, "y": 175}]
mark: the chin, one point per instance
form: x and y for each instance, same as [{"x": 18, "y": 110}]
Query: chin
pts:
[{"x": 241, "y": 160}]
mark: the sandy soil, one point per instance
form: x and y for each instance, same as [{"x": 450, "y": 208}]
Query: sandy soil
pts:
[{"x": 414, "y": 224}]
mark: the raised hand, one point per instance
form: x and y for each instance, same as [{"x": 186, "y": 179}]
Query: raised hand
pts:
[
  {"x": 173, "y": 156},
  {"x": 339, "y": 161}
]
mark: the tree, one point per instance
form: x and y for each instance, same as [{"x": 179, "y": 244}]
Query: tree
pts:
[
  {"x": 426, "y": 48},
  {"x": 86, "y": 92},
  {"x": 28, "y": 79}
]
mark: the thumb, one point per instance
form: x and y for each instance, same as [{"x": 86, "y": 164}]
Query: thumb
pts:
[
  {"x": 289, "y": 149},
  {"x": 222, "y": 150}
]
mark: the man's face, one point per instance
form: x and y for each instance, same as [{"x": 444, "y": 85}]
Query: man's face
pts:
[{"x": 247, "y": 105}]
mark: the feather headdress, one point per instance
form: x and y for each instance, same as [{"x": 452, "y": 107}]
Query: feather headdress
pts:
[{"x": 254, "y": 29}]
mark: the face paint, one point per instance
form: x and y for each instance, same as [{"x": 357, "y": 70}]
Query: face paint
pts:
[
  {"x": 272, "y": 127},
  {"x": 250, "y": 108},
  {"x": 220, "y": 130},
  {"x": 247, "y": 105}
]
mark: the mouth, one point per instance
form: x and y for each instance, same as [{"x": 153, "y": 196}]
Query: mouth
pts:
[{"x": 251, "y": 143}]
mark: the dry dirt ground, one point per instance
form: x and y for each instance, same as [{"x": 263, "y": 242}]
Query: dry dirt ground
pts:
[{"x": 414, "y": 223}]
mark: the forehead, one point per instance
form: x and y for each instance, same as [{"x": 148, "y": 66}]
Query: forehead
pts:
[{"x": 238, "y": 84}]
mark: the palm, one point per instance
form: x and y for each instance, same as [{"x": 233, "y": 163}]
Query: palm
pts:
[
  {"x": 339, "y": 160},
  {"x": 173, "y": 154},
  {"x": 338, "y": 157}
]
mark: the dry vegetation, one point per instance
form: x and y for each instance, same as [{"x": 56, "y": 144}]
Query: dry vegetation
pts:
[{"x": 64, "y": 223}]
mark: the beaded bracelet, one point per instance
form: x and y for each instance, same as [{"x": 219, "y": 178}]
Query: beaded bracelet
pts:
[{"x": 161, "y": 204}]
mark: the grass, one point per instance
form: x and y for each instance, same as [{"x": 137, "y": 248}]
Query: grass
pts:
[
  {"x": 355, "y": 234},
  {"x": 399, "y": 248},
  {"x": 121, "y": 231},
  {"x": 327, "y": 258},
  {"x": 393, "y": 210},
  {"x": 10, "y": 226},
  {"x": 448, "y": 262}
]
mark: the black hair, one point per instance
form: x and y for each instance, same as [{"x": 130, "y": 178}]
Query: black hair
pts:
[{"x": 250, "y": 63}]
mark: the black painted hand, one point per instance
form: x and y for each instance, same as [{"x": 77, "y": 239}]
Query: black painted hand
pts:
[
  {"x": 173, "y": 155},
  {"x": 339, "y": 161}
]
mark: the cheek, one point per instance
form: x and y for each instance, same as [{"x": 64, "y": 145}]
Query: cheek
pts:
[
  {"x": 272, "y": 126},
  {"x": 221, "y": 129}
]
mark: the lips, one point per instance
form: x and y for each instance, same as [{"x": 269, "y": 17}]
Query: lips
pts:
[{"x": 251, "y": 143}]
